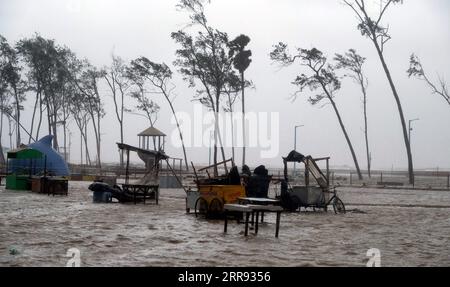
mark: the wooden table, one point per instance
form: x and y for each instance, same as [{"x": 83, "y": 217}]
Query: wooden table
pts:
[
  {"x": 256, "y": 208},
  {"x": 253, "y": 209},
  {"x": 264, "y": 201},
  {"x": 52, "y": 185},
  {"x": 259, "y": 200},
  {"x": 142, "y": 189},
  {"x": 237, "y": 208}
]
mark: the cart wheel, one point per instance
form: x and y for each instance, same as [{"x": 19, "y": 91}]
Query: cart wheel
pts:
[
  {"x": 215, "y": 207},
  {"x": 201, "y": 207},
  {"x": 338, "y": 206}
]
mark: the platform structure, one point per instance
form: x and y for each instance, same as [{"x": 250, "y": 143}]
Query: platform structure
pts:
[{"x": 148, "y": 186}]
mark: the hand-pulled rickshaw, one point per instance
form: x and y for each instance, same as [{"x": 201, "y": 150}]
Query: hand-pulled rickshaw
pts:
[{"x": 318, "y": 196}]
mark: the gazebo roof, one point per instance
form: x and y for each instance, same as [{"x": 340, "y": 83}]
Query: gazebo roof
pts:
[{"x": 151, "y": 131}]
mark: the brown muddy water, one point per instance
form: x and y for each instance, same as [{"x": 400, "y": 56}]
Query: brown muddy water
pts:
[{"x": 410, "y": 228}]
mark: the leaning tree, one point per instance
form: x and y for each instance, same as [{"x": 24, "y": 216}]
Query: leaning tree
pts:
[
  {"x": 205, "y": 60},
  {"x": 118, "y": 83},
  {"x": 353, "y": 63},
  {"x": 12, "y": 76},
  {"x": 321, "y": 78},
  {"x": 378, "y": 34}
]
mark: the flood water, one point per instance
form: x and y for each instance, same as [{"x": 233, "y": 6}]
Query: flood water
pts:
[{"x": 409, "y": 227}]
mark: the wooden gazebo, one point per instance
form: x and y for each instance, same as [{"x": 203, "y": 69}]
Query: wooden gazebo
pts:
[{"x": 152, "y": 139}]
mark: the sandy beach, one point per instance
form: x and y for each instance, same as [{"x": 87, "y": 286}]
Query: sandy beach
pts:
[{"x": 410, "y": 228}]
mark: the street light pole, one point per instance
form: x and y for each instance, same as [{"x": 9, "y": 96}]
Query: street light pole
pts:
[{"x": 295, "y": 140}]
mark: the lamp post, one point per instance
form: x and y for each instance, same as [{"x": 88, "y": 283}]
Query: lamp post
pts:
[
  {"x": 295, "y": 140},
  {"x": 410, "y": 129}
]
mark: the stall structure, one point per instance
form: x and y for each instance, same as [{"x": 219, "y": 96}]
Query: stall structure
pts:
[
  {"x": 146, "y": 187},
  {"x": 37, "y": 167},
  {"x": 21, "y": 165}
]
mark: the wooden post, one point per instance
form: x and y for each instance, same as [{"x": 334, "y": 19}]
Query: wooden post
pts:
[
  {"x": 448, "y": 181},
  {"x": 351, "y": 179},
  {"x": 307, "y": 173},
  {"x": 381, "y": 177},
  {"x": 328, "y": 172},
  {"x": 247, "y": 215},
  {"x": 277, "y": 227},
  {"x": 226, "y": 222},
  {"x": 128, "y": 165}
]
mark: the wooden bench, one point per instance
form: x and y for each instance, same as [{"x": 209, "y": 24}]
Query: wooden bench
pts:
[{"x": 252, "y": 209}]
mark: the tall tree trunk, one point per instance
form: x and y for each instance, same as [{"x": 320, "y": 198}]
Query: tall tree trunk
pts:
[
  {"x": 81, "y": 147},
  {"x": 400, "y": 111},
  {"x": 32, "y": 118},
  {"x": 121, "y": 132},
  {"x": 366, "y": 133},
  {"x": 65, "y": 139},
  {"x": 55, "y": 131},
  {"x": 179, "y": 129},
  {"x": 41, "y": 111},
  {"x": 2, "y": 157},
  {"x": 98, "y": 140},
  {"x": 218, "y": 137},
  {"x": 119, "y": 114},
  {"x": 347, "y": 138},
  {"x": 10, "y": 133},
  {"x": 232, "y": 128},
  {"x": 49, "y": 118},
  {"x": 86, "y": 147},
  {"x": 216, "y": 172},
  {"x": 243, "y": 119},
  {"x": 16, "y": 96}
]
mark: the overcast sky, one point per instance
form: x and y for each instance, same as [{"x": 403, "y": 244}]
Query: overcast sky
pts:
[{"x": 94, "y": 29}]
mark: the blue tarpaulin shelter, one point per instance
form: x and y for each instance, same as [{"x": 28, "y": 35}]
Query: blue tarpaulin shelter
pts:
[
  {"x": 56, "y": 165},
  {"x": 51, "y": 162}
]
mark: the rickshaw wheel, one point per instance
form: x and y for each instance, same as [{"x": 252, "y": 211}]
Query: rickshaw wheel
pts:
[
  {"x": 215, "y": 207},
  {"x": 201, "y": 207},
  {"x": 338, "y": 206}
]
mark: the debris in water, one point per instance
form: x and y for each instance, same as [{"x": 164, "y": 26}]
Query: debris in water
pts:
[{"x": 13, "y": 251}]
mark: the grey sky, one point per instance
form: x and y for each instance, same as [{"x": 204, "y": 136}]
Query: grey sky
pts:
[{"x": 94, "y": 29}]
